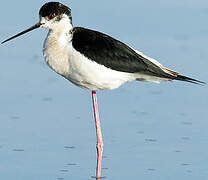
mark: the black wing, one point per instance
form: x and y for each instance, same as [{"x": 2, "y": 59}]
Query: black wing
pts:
[{"x": 112, "y": 53}]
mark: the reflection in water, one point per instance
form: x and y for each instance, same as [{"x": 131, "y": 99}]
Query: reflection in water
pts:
[
  {"x": 98, "y": 178},
  {"x": 18, "y": 150},
  {"x": 15, "y": 117},
  {"x": 105, "y": 168},
  {"x": 189, "y": 171},
  {"x": 151, "y": 140},
  {"x": 71, "y": 164},
  {"x": 140, "y": 132},
  {"x": 69, "y": 147},
  {"x": 105, "y": 157},
  {"x": 151, "y": 169},
  {"x": 144, "y": 113},
  {"x": 64, "y": 170},
  {"x": 158, "y": 92},
  {"x": 185, "y": 164},
  {"x": 185, "y": 138},
  {"x": 187, "y": 123},
  {"x": 47, "y": 99}
]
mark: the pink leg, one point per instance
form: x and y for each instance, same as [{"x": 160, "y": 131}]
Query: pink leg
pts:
[{"x": 99, "y": 136}]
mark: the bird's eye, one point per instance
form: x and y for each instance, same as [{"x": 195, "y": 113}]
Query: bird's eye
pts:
[{"x": 51, "y": 16}]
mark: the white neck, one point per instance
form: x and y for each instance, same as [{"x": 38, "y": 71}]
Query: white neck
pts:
[
  {"x": 64, "y": 26},
  {"x": 56, "y": 45},
  {"x": 60, "y": 32}
]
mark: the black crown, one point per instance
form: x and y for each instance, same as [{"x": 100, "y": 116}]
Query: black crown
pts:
[{"x": 55, "y": 8}]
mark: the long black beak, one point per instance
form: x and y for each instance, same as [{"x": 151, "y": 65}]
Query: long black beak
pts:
[{"x": 23, "y": 32}]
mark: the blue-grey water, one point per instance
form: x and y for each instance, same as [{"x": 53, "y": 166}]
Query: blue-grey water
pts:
[{"x": 151, "y": 131}]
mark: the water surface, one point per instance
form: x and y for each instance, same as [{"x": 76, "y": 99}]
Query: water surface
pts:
[{"x": 151, "y": 131}]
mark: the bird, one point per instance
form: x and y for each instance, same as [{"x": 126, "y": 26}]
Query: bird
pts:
[{"x": 93, "y": 60}]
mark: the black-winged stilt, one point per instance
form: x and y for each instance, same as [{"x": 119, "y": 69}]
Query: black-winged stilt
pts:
[{"x": 93, "y": 60}]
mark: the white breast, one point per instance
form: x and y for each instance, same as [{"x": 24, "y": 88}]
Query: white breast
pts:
[{"x": 56, "y": 54}]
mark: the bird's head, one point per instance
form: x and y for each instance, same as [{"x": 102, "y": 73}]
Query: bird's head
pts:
[{"x": 53, "y": 16}]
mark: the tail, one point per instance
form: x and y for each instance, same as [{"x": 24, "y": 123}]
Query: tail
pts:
[
  {"x": 163, "y": 73},
  {"x": 188, "y": 79},
  {"x": 175, "y": 76}
]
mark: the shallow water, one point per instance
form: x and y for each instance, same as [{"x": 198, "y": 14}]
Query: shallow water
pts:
[{"x": 151, "y": 131}]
